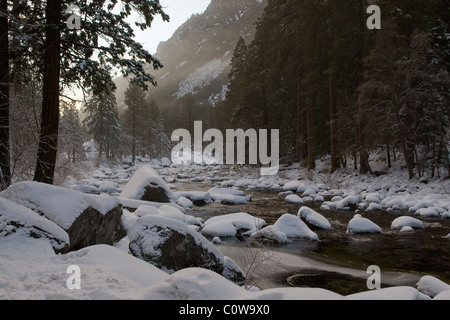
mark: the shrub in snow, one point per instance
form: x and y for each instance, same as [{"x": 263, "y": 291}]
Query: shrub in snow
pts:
[
  {"x": 171, "y": 245},
  {"x": 18, "y": 220},
  {"x": 362, "y": 225},
  {"x": 406, "y": 221},
  {"x": 314, "y": 218},
  {"x": 146, "y": 184}
]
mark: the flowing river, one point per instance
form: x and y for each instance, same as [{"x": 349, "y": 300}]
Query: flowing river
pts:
[{"x": 339, "y": 261}]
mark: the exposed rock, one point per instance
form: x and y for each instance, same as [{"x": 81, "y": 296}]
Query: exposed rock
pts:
[
  {"x": 147, "y": 185},
  {"x": 16, "y": 219},
  {"x": 87, "y": 219},
  {"x": 171, "y": 245}
]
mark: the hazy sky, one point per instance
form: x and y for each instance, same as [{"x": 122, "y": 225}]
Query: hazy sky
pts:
[{"x": 179, "y": 11}]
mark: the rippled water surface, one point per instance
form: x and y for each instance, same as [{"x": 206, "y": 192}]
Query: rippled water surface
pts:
[{"x": 338, "y": 261}]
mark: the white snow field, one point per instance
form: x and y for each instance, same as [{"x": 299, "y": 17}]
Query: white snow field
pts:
[{"x": 30, "y": 268}]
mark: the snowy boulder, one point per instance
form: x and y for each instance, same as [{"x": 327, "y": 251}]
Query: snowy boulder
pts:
[
  {"x": 271, "y": 233},
  {"x": 19, "y": 220},
  {"x": 185, "y": 202},
  {"x": 431, "y": 286},
  {"x": 220, "y": 193},
  {"x": 171, "y": 245},
  {"x": 293, "y": 198},
  {"x": 198, "y": 198},
  {"x": 348, "y": 203},
  {"x": 406, "y": 221},
  {"x": 427, "y": 212},
  {"x": 314, "y": 218},
  {"x": 110, "y": 228},
  {"x": 147, "y": 185},
  {"x": 293, "y": 227},
  {"x": 362, "y": 225},
  {"x": 292, "y": 185},
  {"x": 87, "y": 219},
  {"x": 230, "y": 225}
]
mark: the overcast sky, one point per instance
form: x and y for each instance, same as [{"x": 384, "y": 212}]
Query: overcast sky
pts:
[{"x": 179, "y": 11}]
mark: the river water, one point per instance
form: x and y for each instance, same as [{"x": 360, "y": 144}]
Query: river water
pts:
[{"x": 339, "y": 261}]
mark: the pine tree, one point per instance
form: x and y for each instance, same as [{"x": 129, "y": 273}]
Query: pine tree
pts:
[
  {"x": 78, "y": 57},
  {"x": 103, "y": 123},
  {"x": 70, "y": 132},
  {"x": 136, "y": 116}
]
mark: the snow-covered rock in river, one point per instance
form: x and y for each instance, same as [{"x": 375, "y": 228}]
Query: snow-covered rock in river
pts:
[
  {"x": 349, "y": 202},
  {"x": 229, "y": 225},
  {"x": 16, "y": 220},
  {"x": 427, "y": 212},
  {"x": 362, "y": 225},
  {"x": 87, "y": 219},
  {"x": 432, "y": 286},
  {"x": 197, "y": 197},
  {"x": 227, "y": 196},
  {"x": 293, "y": 198},
  {"x": 147, "y": 185},
  {"x": 271, "y": 233},
  {"x": 292, "y": 185},
  {"x": 406, "y": 221},
  {"x": 314, "y": 218},
  {"x": 171, "y": 245},
  {"x": 293, "y": 227}
]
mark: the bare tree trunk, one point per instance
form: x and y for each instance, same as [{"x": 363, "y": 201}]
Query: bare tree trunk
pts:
[
  {"x": 48, "y": 137},
  {"x": 300, "y": 135},
  {"x": 310, "y": 130},
  {"x": 333, "y": 119},
  {"x": 5, "y": 159},
  {"x": 388, "y": 154},
  {"x": 408, "y": 152},
  {"x": 363, "y": 156}
]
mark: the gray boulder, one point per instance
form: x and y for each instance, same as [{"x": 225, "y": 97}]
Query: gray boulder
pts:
[
  {"x": 146, "y": 184},
  {"x": 17, "y": 220},
  {"x": 87, "y": 219},
  {"x": 171, "y": 245}
]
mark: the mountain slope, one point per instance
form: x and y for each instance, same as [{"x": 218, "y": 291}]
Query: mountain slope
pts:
[{"x": 197, "y": 57}]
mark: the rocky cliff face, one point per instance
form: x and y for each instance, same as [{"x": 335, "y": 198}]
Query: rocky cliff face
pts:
[{"x": 197, "y": 57}]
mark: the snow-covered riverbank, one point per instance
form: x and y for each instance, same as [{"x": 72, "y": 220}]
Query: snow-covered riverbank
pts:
[{"x": 30, "y": 269}]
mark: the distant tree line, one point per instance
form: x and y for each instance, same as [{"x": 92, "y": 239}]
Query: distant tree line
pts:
[{"x": 332, "y": 86}]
